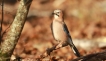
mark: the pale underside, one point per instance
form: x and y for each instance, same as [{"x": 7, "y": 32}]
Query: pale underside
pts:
[{"x": 58, "y": 31}]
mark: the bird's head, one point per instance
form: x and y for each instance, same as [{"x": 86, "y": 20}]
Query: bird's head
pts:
[{"x": 58, "y": 14}]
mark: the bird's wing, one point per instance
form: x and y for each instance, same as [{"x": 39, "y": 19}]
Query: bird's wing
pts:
[{"x": 66, "y": 30}]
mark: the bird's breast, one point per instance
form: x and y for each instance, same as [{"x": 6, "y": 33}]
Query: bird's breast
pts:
[{"x": 58, "y": 32}]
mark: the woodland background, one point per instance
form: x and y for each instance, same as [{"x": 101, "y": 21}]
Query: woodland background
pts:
[{"x": 86, "y": 21}]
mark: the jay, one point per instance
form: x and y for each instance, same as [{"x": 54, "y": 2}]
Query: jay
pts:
[{"x": 60, "y": 31}]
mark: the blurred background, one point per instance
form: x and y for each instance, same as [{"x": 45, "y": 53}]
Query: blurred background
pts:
[{"x": 86, "y": 21}]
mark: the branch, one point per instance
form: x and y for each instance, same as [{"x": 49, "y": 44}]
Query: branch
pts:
[
  {"x": 12, "y": 36},
  {"x": 92, "y": 57},
  {"x": 2, "y": 4},
  {"x": 49, "y": 50}
]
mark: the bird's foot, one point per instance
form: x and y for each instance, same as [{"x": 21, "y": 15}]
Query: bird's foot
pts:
[{"x": 59, "y": 46}]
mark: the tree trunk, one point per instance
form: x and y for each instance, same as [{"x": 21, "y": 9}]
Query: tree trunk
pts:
[{"x": 12, "y": 36}]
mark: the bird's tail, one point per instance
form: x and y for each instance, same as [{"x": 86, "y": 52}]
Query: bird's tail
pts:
[{"x": 75, "y": 50}]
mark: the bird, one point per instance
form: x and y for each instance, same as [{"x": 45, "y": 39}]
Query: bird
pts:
[{"x": 60, "y": 31}]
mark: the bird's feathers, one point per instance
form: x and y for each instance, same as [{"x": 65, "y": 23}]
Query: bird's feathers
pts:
[
  {"x": 67, "y": 33},
  {"x": 51, "y": 26},
  {"x": 65, "y": 29}
]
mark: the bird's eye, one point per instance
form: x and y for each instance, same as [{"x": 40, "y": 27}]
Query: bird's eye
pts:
[{"x": 58, "y": 12}]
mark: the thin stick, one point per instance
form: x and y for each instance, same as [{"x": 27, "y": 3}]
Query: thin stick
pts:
[
  {"x": 2, "y": 16},
  {"x": 49, "y": 50},
  {"x": 2, "y": 5}
]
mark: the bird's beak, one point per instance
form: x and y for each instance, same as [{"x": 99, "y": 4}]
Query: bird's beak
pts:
[{"x": 53, "y": 13}]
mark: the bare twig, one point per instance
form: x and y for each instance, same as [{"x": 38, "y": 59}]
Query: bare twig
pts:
[
  {"x": 2, "y": 5},
  {"x": 2, "y": 17},
  {"x": 49, "y": 50}
]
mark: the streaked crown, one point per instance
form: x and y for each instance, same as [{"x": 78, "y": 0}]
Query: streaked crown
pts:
[{"x": 58, "y": 13}]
